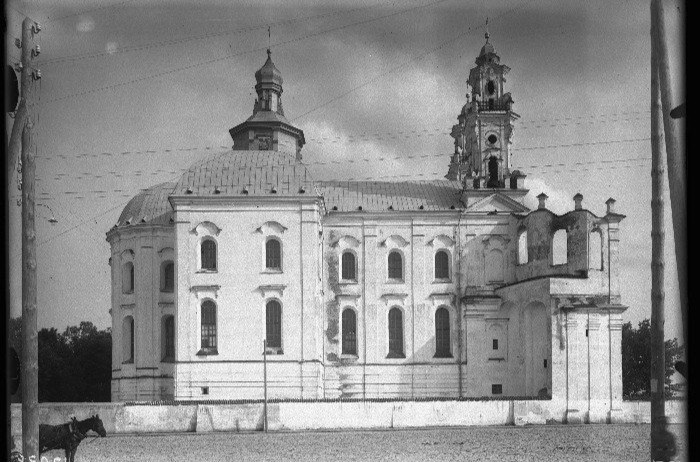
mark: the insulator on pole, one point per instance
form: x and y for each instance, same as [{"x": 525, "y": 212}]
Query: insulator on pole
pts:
[
  {"x": 36, "y": 74},
  {"x": 36, "y": 51},
  {"x": 36, "y": 28}
]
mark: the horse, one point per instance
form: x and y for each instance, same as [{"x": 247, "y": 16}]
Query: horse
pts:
[{"x": 69, "y": 435}]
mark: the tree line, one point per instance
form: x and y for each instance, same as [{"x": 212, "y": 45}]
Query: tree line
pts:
[{"x": 76, "y": 365}]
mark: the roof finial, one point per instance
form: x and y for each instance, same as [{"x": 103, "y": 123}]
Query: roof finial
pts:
[
  {"x": 486, "y": 35},
  {"x": 268, "y": 42}
]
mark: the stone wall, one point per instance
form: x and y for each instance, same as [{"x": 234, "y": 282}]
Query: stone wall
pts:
[{"x": 297, "y": 416}]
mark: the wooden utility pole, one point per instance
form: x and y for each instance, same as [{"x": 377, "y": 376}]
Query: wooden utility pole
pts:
[
  {"x": 22, "y": 136},
  {"x": 265, "y": 385},
  {"x": 675, "y": 159},
  {"x": 662, "y": 443}
]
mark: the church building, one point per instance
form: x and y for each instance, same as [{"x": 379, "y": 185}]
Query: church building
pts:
[{"x": 366, "y": 289}]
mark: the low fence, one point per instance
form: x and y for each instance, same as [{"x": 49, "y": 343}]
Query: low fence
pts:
[{"x": 295, "y": 416}]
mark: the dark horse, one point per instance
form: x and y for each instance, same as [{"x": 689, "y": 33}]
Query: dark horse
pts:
[{"x": 69, "y": 435}]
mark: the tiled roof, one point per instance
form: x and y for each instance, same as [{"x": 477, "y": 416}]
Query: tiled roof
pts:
[
  {"x": 233, "y": 173},
  {"x": 378, "y": 196},
  {"x": 149, "y": 206},
  {"x": 267, "y": 117},
  {"x": 258, "y": 172}
]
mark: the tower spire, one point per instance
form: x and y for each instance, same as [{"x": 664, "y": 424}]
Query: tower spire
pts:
[
  {"x": 268, "y": 41},
  {"x": 486, "y": 34}
]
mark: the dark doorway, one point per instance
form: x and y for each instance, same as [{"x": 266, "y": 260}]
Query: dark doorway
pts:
[{"x": 493, "y": 174}]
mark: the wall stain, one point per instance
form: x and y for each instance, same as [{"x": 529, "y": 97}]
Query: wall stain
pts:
[{"x": 332, "y": 306}]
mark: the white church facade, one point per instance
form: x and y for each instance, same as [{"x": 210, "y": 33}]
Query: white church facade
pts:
[{"x": 362, "y": 290}]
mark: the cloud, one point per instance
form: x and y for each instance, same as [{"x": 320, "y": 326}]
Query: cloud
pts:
[
  {"x": 559, "y": 201},
  {"x": 85, "y": 24},
  {"x": 111, "y": 47}
]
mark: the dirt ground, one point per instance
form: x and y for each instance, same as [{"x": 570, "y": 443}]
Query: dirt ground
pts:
[{"x": 499, "y": 444}]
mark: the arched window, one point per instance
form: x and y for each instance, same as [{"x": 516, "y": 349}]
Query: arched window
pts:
[
  {"x": 209, "y": 254},
  {"x": 442, "y": 265},
  {"x": 273, "y": 324},
  {"x": 349, "y": 269},
  {"x": 395, "y": 334},
  {"x": 128, "y": 340},
  {"x": 395, "y": 265},
  {"x": 128, "y": 278},
  {"x": 595, "y": 250},
  {"x": 273, "y": 255},
  {"x": 167, "y": 276},
  {"x": 208, "y": 325},
  {"x": 559, "y": 249},
  {"x": 349, "y": 332},
  {"x": 522, "y": 247},
  {"x": 168, "y": 339},
  {"x": 442, "y": 333}
]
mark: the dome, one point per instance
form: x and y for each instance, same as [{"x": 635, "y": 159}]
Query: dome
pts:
[
  {"x": 229, "y": 173},
  {"x": 268, "y": 73},
  {"x": 150, "y": 206},
  {"x": 240, "y": 173},
  {"x": 487, "y": 48}
]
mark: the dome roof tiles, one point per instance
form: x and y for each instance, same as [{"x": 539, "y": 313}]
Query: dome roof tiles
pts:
[{"x": 268, "y": 72}]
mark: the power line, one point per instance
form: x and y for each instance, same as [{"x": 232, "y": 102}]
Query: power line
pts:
[
  {"x": 404, "y": 64},
  {"x": 357, "y": 160},
  {"x": 367, "y": 136},
  {"x": 76, "y": 193},
  {"x": 223, "y": 58},
  {"x": 49, "y": 20},
  {"x": 193, "y": 38}
]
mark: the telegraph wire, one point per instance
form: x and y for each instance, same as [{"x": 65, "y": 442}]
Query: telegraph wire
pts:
[
  {"x": 193, "y": 38},
  {"x": 223, "y": 58},
  {"x": 530, "y": 168},
  {"x": 50, "y": 20},
  {"x": 365, "y": 159},
  {"x": 402, "y": 65},
  {"x": 370, "y": 178}
]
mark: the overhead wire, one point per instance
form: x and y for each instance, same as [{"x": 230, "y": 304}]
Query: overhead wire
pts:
[
  {"x": 229, "y": 56},
  {"x": 367, "y": 159},
  {"x": 60, "y": 18},
  {"x": 163, "y": 43},
  {"x": 526, "y": 169},
  {"x": 402, "y": 65}
]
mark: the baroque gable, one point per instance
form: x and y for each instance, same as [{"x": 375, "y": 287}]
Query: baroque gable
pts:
[{"x": 497, "y": 202}]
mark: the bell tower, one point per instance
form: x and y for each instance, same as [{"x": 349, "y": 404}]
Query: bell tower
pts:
[
  {"x": 483, "y": 135},
  {"x": 268, "y": 129}
]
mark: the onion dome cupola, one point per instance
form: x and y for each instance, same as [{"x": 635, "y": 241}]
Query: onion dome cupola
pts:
[
  {"x": 268, "y": 129},
  {"x": 482, "y": 157}
]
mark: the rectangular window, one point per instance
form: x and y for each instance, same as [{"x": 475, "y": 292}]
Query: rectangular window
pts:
[
  {"x": 545, "y": 364},
  {"x": 395, "y": 266},
  {"x": 496, "y": 389},
  {"x": 273, "y": 255},
  {"x": 208, "y": 325},
  {"x": 442, "y": 333},
  {"x": 167, "y": 282},
  {"x": 395, "y": 334},
  {"x": 495, "y": 344},
  {"x": 348, "y": 266},
  {"x": 273, "y": 320},
  {"x": 205, "y": 390},
  {"x": 169, "y": 339},
  {"x": 349, "y": 319}
]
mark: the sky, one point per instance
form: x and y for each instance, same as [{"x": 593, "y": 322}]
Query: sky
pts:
[{"x": 132, "y": 92}]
